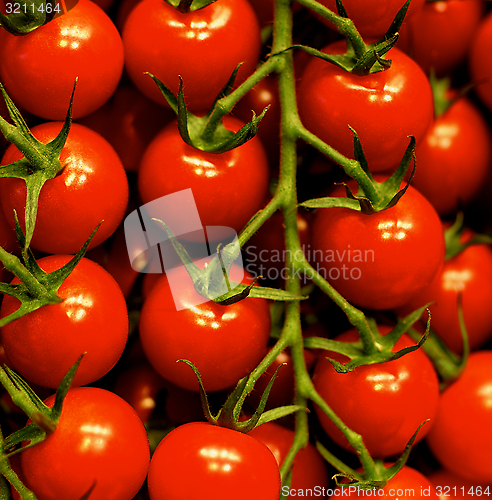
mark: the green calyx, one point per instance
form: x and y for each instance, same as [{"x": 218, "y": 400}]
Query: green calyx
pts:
[
  {"x": 372, "y": 196},
  {"x": 41, "y": 162},
  {"x": 186, "y": 6},
  {"x": 36, "y": 288},
  {"x": 208, "y": 133},
  {"x": 360, "y": 58},
  {"x": 230, "y": 414},
  {"x": 23, "y": 17}
]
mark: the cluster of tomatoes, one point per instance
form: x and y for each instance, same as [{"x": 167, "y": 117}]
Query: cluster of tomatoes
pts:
[{"x": 395, "y": 112}]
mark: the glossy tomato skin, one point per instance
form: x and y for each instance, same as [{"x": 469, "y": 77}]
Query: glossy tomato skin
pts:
[
  {"x": 99, "y": 438},
  {"x": 439, "y": 35},
  {"x": 203, "y": 47},
  {"x": 309, "y": 470},
  {"x": 384, "y": 108},
  {"x": 479, "y": 61},
  {"x": 460, "y": 136},
  {"x": 372, "y": 18},
  {"x": 385, "y": 402},
  {"x": 91, "y": 188},
  {"x": 93, "y": 318},
  {"x": 229, "y": 188},
  {"x": 200, "y": 461},
  {"x": 378, "y": 261},
  {"x": 468, "y": 273},
  {"x": 39, "y": 69},
  {"x": 224, "y": 342},
  {"x": 461, "y": 437},
  {"x": 449, "y": 486}
]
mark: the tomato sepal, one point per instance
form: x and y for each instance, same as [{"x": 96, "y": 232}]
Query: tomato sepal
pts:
[
  {"x": 41, "y": 161},
  {"x": 186, "y": 6},
  {"x": 36, "y": 288},
  {"x": 36, "y": 15},
  {"x": 208, "y": 133}
]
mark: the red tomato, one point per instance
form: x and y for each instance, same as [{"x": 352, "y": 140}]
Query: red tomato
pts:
[
  {"x": 202, "y": 46},
  {"x": 383, "y": 260},
  {"x": 128, "y": 121},
  {"x": 229, "y": 188},
  {"x": 39, "y": 69},
  {"x": 91, "y": 188},
  {"x": 479, "y": 61},
  {"x": 460, "y": 136},
  {"x": 408, "y": 483},
  {"x": 372, "y": 18},
  {"x": 309, "y": 470},
  {"x": 200, "y": 461},
  {"x": 385, "y": 403},
  {"x": 139, "y": 386},
  {"x": 93, "y": 318},
  {"x": 99, "y": 440},
  {"x": 439, "y": 35},
  {"x": 384, "y": 108},
  {"x": 470, "y": 273},
  {"x": 461, "y": 437},
  {"x": 224, "y": 342}
]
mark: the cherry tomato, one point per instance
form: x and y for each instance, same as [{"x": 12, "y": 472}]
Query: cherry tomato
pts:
[
  {"x": 382, "y": 260},
  {"x": 372, "y": 18},
  {"x": 309, "y": 470},
  {"x": 460, "y": 136},
  {"x": 91, "y": 188},
  {"x": 128, "y": 121},
  {"x": 224, "y": 342},
  {"x": 438, "y": 36},
  {"x": 385, "y": 403},
  {"x": 200, "y": 461},
  {"x": 479, "y": 61},
  {"x": 99, "y": 440},
  {"x": 468, "y": 273},
  {"x": 384, "y": 108},
  {"x": 229, "y": 188},
  {"x": 409, "y": 483},
  {"x": 93, "y": 318},
  {"x": 39, "y": 69},
  {"x": 461, "y": 437},
  {"x": 201, "y": 46}
]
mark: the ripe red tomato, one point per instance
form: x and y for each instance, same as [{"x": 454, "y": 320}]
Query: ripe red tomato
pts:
[
  {"x": 384, "y": 108},
  {"x": 460, "y": 136},
  {"x": 309, "y": 470},
  {"x": 408, "y": 483},
  {"x": 385, "y": 403},
  {"x": 438, "y": 36},
  {"x": 469, "y": 272},
  {"x": 382, "y": 260},
  {"x": 39, "y": 69},
  {"x": 229, "y": 188},
  {"x": 93, "y": 318},
  {"x": 202, "y": 46},
  {"x": 479, "y": 61},
  {"x": 91, "y": 188},
  {"x": 461, "y": 437},
  {"x": 200, "y": 461},
  {"x": 99, "y": 439},
  {"x": 372, "y": 18},
  {"x": 224, "y": 342}
]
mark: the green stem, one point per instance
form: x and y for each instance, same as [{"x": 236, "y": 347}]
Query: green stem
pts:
[{"x": 344, "y": 25}]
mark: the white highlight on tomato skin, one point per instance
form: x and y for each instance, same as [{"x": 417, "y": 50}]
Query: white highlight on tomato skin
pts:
[
  {"x": 455, "y": 281},
  {"x": 95, "y": 437},
  {"x": 219, "y": 459},
  {"x": 76, "y": 306}
]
